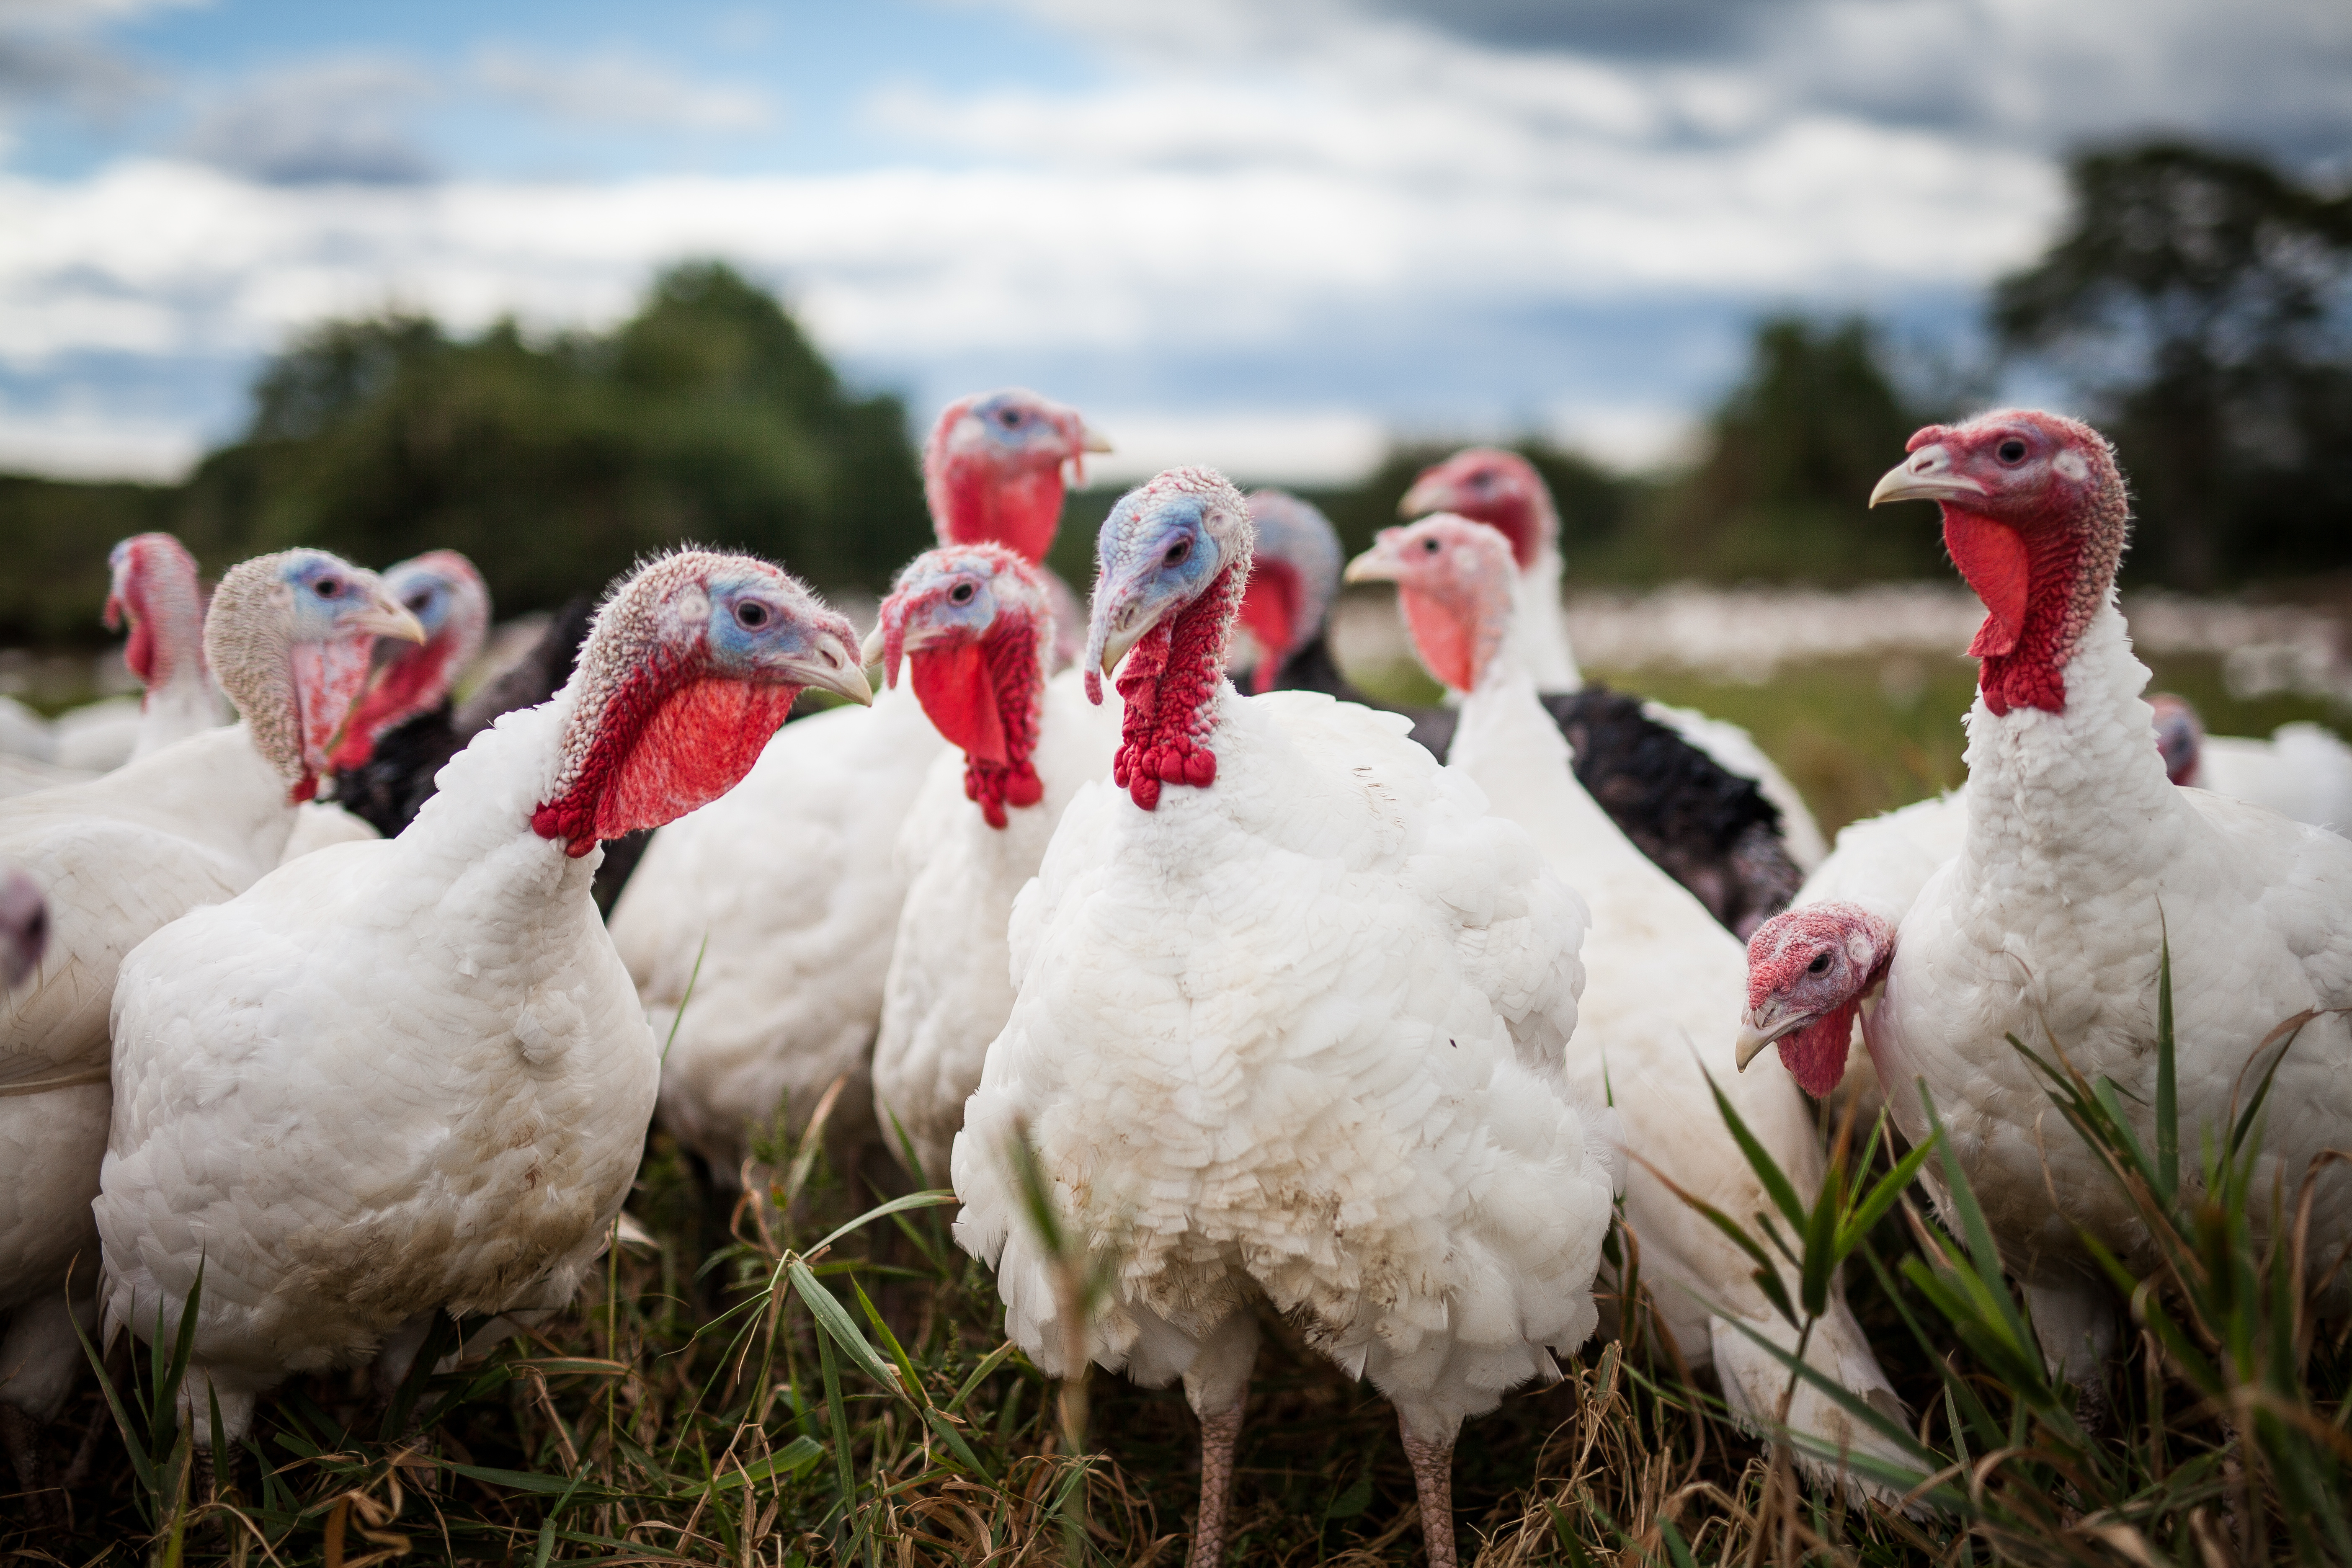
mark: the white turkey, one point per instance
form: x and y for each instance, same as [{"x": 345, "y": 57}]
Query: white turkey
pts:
[
  {"x": 1291, "y": 1007},
  {"x": 2078, "y": 856},
  {"x": 974, "y": 625},
  {"x": 775, "y": 907},
  {"x": 1694, "y": 794},
  {"x": 157, "y": 593},
  {"x": 120, "y": 858},
  {"x": 1661, "y": 978},
  {"x": 2302, "y": 770},
  {"x": 404, "y": 728},
  {"x": 411, "y": 1076}
]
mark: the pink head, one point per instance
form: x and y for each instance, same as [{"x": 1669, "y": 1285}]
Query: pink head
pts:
[
  {"x": 992, "y": 469},
  {"x": 1170, "y": 563},
  {"x": 973, "y": 622},
  {"x": 1454, "y": 582},
  {"x": 691, "y": 665},
  {"x": 1808, "y": 971},
  {"x": 448, "y": 597},
  {"x": 2180, "y": 736},
  {"x": 1494, "y": 486},
  {"x": 2034, "y": 517},
  {"x": 156, "y": 592},
  {"x": 290, "y": 638},
  {"x": 1294, "y": 573}
]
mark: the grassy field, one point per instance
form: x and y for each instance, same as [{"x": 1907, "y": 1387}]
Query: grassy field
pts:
[{"x": 741, "y": 1385}]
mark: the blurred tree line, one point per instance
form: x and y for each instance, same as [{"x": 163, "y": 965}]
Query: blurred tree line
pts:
[
  {"x": 2197, "y": 303},
  {"x": 554, "y": 463}
]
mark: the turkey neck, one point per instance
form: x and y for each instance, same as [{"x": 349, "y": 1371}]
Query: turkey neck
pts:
[
  {"x": 1170, "y": 683},
  {"x": 474, "y": 856},
  {"x": 1538, "y": 634},
  {"x": 2075, "y": 802},
  {"x": 986, "y": 696},
  {"x": 975, "y": 504},
  {"x": 1508, "y": 743}
]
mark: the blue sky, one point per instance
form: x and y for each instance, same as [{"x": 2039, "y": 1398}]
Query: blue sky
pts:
[{"x": 1264, "y": 235}]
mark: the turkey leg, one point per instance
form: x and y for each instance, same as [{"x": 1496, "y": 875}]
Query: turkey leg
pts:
[
  {"x": 1433, "y": 1483},
  {"x": 1217, "y": 1385}
]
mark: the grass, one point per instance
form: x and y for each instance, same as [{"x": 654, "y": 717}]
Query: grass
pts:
[{"x": 821, "y": 1378}]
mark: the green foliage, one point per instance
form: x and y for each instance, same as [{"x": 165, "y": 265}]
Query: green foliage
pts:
[
  {"x": 55, "y": 535},
  {"x": 2199, "y": 299}
]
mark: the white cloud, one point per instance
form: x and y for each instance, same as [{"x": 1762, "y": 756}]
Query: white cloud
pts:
[
  {"x": 615, "y": 88},
  {"x": 329, "y": 121},
  {"x": 78, "y": 437},
  {"x": 1275, "y": 446}
]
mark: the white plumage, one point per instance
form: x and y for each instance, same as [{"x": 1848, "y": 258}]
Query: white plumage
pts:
[
  {"x": 1663, "y": 981},
  {"x": 411, "y": 1075},
  {"x": 1294, "y": 1037},
  {"x": 950, "y": 987}
]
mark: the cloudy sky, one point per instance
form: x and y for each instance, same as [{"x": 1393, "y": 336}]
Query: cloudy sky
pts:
[{"x": 1261, "y": 233}]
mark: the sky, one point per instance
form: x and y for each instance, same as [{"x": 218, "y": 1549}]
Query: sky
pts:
[{"x": 1269, "y": 234}]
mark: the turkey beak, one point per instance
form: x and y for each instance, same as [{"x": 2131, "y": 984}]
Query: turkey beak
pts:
[
  {"x": 870, "y": 652},
  {"x": 831, "y": 665},
  {"x": 1093, "y": 440},
  {"x": 388, "y": 617},
  {"x": 1925, "y": 475},
  {"x": 1374, "y": 565},
  {"x": 1764, "y": 1026},
  {"x": 1429, "y": 493}
]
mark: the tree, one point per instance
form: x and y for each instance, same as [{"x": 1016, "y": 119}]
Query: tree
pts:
[
  {"x": 1783, "y": 490},
  {"x": 2198, "y": 298},
  {"x": 707, "y": 417}
]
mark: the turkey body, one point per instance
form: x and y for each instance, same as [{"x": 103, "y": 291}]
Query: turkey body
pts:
[
  {"x": 1297, "y": 1037},
  {"x": 393, "y": 1077},
  {"x": 777, "y": 904},
  {"x": 2301, "y": 771},
  {"x": 2046, "y": 925},
  {"x": 950, "y": 987}
]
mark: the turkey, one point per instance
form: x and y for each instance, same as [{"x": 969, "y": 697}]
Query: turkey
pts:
[
  {"x": 1661, "y": 975},
  {"x": 404, "y": 728},
  {"x": 1501, "y": 489},
  {"x": 2302, "y": 770},
  {"x": 973, "y": 624},
  {"x": 157, "y": 593},
  {"x": 1291, "y": 1015},
  {"x": 993, "y": 472},
  {"x": 776, "y": 906},
  {"x": 2077, "y": 858},
  {"x": 24, "y": 927},
  {"x": 411, "y": 1076},
  {"x": 289, "y": 636}
]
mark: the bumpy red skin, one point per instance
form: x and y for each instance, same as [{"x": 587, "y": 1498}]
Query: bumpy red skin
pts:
[
  {"x": 2041, "y": 558},
  {"x": 1778, "y": 955},
  {"x": 975, "y": 501},
  {"x": 983, "y": 697},
  {"x": 671, "y": 739},
  {"x": 1269, "y": 608},
  {"x": 1170, "y": 683}
]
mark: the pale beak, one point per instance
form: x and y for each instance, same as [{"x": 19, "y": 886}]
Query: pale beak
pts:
[
  {"x": 1374, "y": 565},
  {"x": 388, "y": 617},
  {"x": 1426, "y": 496},
  {"x": 1093, "y": 440},
  {"x": 1759, "y": 1028},
  {"x": 871, "y": 651},
  {"x": 1115, "y": 647},
  {"x": 831, "y": 668},
  {"x": 1925, "y": 475}
]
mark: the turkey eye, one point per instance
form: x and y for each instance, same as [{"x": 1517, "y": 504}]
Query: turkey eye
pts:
[
  {"x": 2010, "y": 451},
  {"x": 327, "y": 587},
  {"x": 751, "y": 615},
  {"x": 418, "y": 601},
  {"x": 1177, "y": 552},
  {"x": 1820, "y": 965},
  {"x": 960, "y": 594},
  {"x": 1010, "y": 418},
  {"x": 1429, "y": 546}
]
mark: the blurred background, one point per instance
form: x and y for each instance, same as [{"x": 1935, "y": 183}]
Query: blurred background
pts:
[{"x": 556, "y": 284}]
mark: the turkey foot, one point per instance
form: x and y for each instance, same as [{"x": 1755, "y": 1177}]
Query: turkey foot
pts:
[
  {"x": 1219, "y": 1434},
  {"x": 1433, "y": 1483}
]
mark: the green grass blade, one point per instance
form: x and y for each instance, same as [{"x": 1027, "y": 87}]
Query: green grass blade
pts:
[
  {"x": 833, "y": 1319},
  {"x": 2167, "y": 1083},
  {"x": 1759, "y": 1160}
]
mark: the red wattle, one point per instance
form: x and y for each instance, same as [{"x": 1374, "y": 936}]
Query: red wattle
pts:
[
  {"x": 140, "y": 654},
  {"x": 1169, "y": 683},
  {"x": 663, "y": 747},
  {"x": 1270, "y": 610},
  {"x": 1446, "y": 645},
  {"x": 984, "y": 504},
  {"x": 1992, "y": 557},
  {"x": 953, "y": 685},
  {"x": 411, "y": 684},
  {"x": 1815, "y": 1055}
]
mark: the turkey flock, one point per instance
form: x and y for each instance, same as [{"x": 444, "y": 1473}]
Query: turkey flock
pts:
[{"x": 1378, "y": 1021}]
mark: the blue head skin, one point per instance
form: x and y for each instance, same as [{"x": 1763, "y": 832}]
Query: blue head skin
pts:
[
  {"x": 329, "y": 598},
  {"x": 1159, "y": 549},
  {"x": 954, "y": 595},
  {"x": 765, "y": 626}
]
